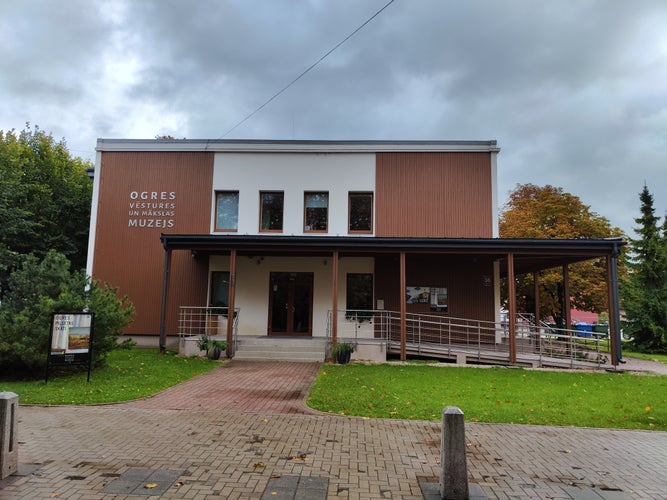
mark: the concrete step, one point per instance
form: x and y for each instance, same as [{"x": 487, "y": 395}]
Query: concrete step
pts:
[{"x": 280, "y": 349}]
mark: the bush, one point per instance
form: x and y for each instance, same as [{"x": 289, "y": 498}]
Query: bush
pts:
[{"x": 39, "y": 288}]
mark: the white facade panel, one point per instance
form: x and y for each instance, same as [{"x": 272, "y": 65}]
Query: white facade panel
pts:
[
  {"x": 294, "y": 174},
  {"x": 252, "y": 290}
]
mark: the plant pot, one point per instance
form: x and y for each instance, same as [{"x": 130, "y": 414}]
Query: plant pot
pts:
[
  {"x": 343, "y": 357},
  {"x": 214, "y": 353}
]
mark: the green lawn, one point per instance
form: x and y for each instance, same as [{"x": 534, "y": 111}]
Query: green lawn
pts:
[
  {"x": 414, "y": 391},
  {"x": 493, "y": 395},
  {"x": 128, "y": 374}
]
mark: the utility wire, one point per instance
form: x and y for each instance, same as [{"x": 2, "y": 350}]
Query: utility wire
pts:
[{"x": 307, "y": 70}]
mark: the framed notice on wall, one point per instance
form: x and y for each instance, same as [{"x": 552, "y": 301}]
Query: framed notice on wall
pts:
[
  {"x": 417, "y": 294},
  {"x": 71, "y": 339}
]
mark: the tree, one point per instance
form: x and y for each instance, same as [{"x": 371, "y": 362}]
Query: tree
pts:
[
  {"x": 44, "y": 200},
  {"x": 549, "y": 212},
  {"x": 645, "y": 289},
  {"x": 37, "y": 289}
]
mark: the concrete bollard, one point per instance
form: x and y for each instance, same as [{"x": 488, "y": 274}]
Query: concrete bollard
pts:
[
  {"x": 9, "y": 450},
  {"x": 454, "y": 473}
]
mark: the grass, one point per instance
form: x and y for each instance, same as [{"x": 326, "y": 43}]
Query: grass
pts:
[
  {"x": 415, "y": 391},
  {"x": 498, "y": 395},
  {"x": 128, "y": 374}
]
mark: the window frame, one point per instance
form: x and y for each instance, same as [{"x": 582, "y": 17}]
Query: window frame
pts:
[
  {"x": 350, "y": 195},
  {"x": 261, "y": 212},
  {"x": 218, "y": 194},
  {"x": 305, "y": 212}
]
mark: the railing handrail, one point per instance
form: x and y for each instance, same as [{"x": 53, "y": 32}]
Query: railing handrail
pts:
[{"x": 446, "y": 331}]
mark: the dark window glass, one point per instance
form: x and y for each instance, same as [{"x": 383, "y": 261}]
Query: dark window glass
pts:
[
  {"x": 219, "y": 289},
  {"x": 271, "y": 211},
  {"x": 359, "y": 291},
  {"x": 316, "y": 211},
  {"x": 361, "y": 212}
]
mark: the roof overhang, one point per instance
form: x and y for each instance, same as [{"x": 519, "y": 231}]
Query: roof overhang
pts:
[
  {"x": 529, "y": 254},
  {"x": 275, "y": 146}
]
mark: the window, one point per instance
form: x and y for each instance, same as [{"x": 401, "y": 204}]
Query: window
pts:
[
  {"x": 316, "y": 212},
  {"x": 360, "y": 218},
  {"x": 219, "y": 289},
  {"x": 359, "y": 291},
  {"x": 271, "y": 210},
  {"x": 227, "y": 211}
]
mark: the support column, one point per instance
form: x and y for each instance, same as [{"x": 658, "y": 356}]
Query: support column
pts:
[
  {"x": 511, "y": 296},
  {"x": 612, "y": 306},
  {"x": 567, "y": 308},
  {"x": 334, "y": 304},
  {"x": 567, "y": 303},
  {"x": 163, "y": 305},
  {"x": 401, "y": 295},
  {"x": 230, "y": 310},
  {"x": 536, "y": 292}
]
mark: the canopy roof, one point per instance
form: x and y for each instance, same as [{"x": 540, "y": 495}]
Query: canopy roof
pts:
[{"x": 529, "y": 254}]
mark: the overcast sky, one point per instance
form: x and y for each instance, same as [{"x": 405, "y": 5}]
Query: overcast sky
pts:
[{"x": 574, "y": 91}]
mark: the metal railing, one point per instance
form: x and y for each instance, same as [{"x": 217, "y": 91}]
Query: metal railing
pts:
[
  {"x": 212, "y": 321},
  {"x": 445, "y": 336}
]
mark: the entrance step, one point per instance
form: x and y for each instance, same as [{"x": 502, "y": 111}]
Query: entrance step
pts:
[{"x": 264, "y": 348}]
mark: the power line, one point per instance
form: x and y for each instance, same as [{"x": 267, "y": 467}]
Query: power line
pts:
[{"x": 307, "y": 69}]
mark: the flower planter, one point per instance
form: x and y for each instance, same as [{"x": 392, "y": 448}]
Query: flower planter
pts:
[{"x": 343, "y": 357}]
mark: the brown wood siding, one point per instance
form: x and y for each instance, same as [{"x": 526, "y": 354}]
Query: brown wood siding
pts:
[
  {"x": 434, "y": 195},
  {"x": 131, "y": 258},
  {"x": 463, "y": 276}
]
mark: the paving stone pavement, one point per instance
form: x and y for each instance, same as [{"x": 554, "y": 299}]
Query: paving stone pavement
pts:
[{"x": 220, "y": 441}]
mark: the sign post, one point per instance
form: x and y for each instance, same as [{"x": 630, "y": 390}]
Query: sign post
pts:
[{"x": 71, "y": 340}]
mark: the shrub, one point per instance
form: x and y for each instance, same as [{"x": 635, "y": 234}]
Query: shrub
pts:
[{"x": 39, "y": 288}]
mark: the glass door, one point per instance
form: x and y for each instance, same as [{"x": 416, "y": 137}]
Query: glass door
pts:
[{"x": 291, "y": 304}]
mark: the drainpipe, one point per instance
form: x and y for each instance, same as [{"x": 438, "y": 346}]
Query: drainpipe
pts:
[{"x": 163, "y": 307}]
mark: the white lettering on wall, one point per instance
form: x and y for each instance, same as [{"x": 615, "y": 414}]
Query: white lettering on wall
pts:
[{"x": 152, "y": 209}]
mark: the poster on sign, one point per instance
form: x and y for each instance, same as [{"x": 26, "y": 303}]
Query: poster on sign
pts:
[{"x": 70, "y": 340}]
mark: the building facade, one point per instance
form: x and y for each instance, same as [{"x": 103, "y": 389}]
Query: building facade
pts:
[{"x": 298, "y": 237}]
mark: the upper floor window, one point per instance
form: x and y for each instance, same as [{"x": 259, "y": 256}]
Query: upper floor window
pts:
[
  {"x": 316, "y": 211},
  {"x": 227, "y": 211},
  {"x": 271, "y": 210},
  {"x": 360, "y": 217}
]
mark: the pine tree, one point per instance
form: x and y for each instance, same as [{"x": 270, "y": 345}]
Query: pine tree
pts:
[{"x": 645, "y": 291}]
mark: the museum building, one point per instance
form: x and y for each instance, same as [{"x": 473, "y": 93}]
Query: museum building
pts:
[{"x": 386, "y": 244}]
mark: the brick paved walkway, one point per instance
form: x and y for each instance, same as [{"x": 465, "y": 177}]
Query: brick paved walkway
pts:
[{"x": 230, "y": 446}]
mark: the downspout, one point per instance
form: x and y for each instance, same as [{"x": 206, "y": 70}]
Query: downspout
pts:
[
  {"x": 163, "y": 307},
  {"x": 615, "y": 304}
]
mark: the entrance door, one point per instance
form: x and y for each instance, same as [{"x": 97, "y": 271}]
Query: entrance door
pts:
[{"x": 291, "y": 304}]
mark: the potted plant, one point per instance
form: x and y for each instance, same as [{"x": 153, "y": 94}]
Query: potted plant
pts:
[
  {"x": 342, "y": 352},
  {"x": 212, "y": 347},
  {"x": 215, "y": 348}
]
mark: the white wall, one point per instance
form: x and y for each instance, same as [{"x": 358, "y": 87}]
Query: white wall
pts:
[
  {"x": 252, "y": 286},
  {"x": 293, "y": 173}
]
